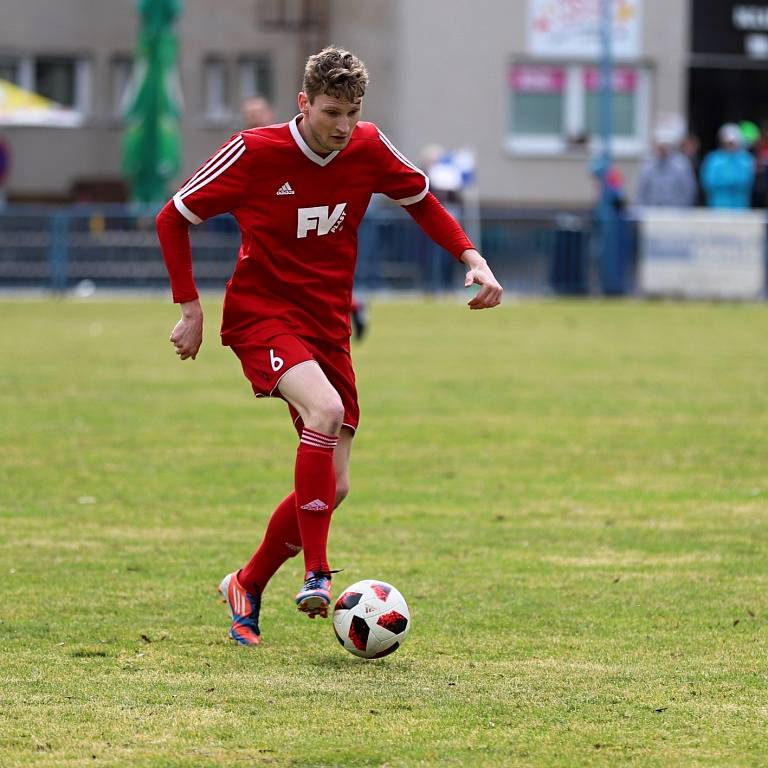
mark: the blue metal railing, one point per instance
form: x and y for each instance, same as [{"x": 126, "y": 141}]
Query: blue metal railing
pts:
[{"x": 116, "y": 247}]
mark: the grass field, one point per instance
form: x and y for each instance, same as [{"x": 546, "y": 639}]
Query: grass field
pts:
[{"x": 572, "y": 496}]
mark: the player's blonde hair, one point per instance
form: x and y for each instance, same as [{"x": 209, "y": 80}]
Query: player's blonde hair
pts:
[{"x": 337, "y": 73}]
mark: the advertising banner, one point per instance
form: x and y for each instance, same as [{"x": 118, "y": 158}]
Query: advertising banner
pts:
[
  {"x": 730, "y": 27},
  {"x": 571, "y": 28},
  {"x": 702, "y": 254}
]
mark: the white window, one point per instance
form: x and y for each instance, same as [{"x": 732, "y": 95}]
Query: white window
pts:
[
  {"x": 538, "y": 106},
  {"x": 9, "y": 69},
  {"x": 120, "y": 71},
  {"x": 66, "y": 80},
  {"x": 55, "y": 78},
  {"x": 554, "y": 109},
  {"x": 255, "y": 77},
  {"x": 216, "y": 81}
]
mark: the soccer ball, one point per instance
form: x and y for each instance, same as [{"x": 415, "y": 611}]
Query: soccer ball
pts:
[{"x": 371, "y": 619}]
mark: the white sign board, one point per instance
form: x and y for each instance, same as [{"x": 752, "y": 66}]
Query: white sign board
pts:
[
  {"x": 702, "y": 254},
  {"x": 568, "y": 28}
]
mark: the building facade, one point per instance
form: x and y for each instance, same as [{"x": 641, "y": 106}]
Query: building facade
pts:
[{"x": 515, "y": 81}]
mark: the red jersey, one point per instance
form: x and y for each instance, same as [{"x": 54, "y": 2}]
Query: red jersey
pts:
[{"x": 299, "y": 214}]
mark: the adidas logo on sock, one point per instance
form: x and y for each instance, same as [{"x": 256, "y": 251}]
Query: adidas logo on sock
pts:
[
  {"x": 286, "y": 189},
  {"x": 315, "y": 506}
]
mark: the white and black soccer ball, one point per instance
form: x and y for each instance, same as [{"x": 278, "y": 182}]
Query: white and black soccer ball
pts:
[{"x": 371, "y": 619}]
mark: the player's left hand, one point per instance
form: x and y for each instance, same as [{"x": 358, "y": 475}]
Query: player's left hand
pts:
[
  {"x": 480, "y": 274},
  {"x": 187, "y": 335}
]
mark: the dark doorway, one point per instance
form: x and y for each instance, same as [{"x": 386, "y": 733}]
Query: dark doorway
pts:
[{"x": 717, "y": 96}]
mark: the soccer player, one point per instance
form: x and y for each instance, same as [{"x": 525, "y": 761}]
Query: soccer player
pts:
[{"x": 299, "y": 191}]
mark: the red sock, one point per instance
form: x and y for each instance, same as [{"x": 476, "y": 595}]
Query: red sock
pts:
[
  {"x": 315, "y": 495},
  {"x": 282, "y": 540}
]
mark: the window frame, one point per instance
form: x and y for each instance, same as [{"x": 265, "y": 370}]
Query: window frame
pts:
[
  {"x": 574, "y": 113},
  {"x": 246, "y": 79},
  {"x": 82, "y": 84},
  {"x": 223, "y": 112},
  {"x": 121, "y": 72}
]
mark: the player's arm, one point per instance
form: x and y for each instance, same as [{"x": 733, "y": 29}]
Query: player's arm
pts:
[
  {"x": 436, "y": 222},
  {"x": 216, "y": 187},
  {"x": 173, "y": 233}
]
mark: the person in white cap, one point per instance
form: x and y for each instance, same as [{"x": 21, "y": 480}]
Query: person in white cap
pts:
[
  {"x": 728, "y": 173},
  {"x": 666, "y": 177}
]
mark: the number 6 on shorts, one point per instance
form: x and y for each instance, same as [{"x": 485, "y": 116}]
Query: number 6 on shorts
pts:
[{"x": 277, "y": 362}]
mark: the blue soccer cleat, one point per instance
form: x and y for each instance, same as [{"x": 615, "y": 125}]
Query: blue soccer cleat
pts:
[
  {"x": 315, "y": 596},
  {"x": 244, "y": 609}
]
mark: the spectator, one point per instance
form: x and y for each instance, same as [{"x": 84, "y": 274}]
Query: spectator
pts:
[
  {"x": 614, "y": 185},
  {"x": 666, "y": 178},
  {"x": 760, "y": 153},
  {"x": 727, "y": 174},
  {"x": 257, "y": 112},
  {"x": 691, "y": 148}
]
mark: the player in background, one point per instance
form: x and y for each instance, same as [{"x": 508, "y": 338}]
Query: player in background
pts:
[{"x": 299, "y": 191}]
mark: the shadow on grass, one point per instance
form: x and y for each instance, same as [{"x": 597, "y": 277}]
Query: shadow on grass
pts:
[{"x": 355, "y": 665}]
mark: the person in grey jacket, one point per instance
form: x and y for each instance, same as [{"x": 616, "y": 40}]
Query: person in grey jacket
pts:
[{"x": 666, "y": 178}]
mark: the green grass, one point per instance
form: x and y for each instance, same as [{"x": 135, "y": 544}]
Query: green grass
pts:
[{"x": 573, "y": 497}]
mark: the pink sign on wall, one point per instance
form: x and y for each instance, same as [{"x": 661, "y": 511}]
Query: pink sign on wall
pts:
[
  {"x": 536, "y": 79},
  {"x": 624, "y": 80}
]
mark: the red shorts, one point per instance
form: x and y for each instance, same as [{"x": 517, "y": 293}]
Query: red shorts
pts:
[{"x": 266, "y": 361}]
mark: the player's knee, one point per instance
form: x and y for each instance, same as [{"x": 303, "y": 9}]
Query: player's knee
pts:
[{"x": 327, "y": 415}]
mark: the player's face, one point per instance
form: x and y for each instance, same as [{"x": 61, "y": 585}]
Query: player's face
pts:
[{"x": 328, "y": 122}]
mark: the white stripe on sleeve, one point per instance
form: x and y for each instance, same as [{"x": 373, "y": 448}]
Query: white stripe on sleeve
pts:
[
  {"x": 403, "y": 159},
  {"x": 212, "y": 162},
  {"x": 184, "y": 211},
  {"x": 231, "y": 158}
]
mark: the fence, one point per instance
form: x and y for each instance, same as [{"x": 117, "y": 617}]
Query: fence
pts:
[{"x": 116, "y": 247}]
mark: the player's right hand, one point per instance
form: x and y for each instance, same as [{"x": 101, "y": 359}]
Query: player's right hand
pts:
[{"x": 187, "y": 335}]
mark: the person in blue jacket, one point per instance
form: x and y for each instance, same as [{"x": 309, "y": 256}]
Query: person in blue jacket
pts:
[{"x": 728, "y": 173}]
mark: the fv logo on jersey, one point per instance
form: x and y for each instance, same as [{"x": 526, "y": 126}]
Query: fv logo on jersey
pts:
[{"x": 321, "y": 219}]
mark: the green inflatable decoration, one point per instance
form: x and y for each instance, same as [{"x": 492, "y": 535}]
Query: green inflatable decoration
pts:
[{"x": 152, "y": 140}]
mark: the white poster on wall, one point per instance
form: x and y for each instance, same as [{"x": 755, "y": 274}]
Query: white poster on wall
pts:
[
  {"x": 702, "y": 254},
  {"x": 568, "y": 28}
]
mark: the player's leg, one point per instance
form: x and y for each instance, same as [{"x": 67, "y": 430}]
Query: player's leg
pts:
[
  {"x": 263, "y": 364},
  {"x": 359, "y": 316},
  {"x": 282, "y": 539},
  {"x": 321, "y": 410},
  {"x": 264, "y": 361},
  {"x": 336, "y": 362},
  {"x": 341, "y": 463}
]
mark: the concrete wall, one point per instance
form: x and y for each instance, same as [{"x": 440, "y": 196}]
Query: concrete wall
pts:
[
  {"x": 438, "y": 74},
  {"x": 451, "y": 69},
  {"x": 46, "y": 160}
]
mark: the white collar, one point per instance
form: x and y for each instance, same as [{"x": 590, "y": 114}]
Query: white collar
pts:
[{"x": 305, "y": 148}]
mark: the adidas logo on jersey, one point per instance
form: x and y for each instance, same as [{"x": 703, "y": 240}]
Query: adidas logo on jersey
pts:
[
  {"x": 315, "y": 506},
  {"x": 286, "y": 189}
]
